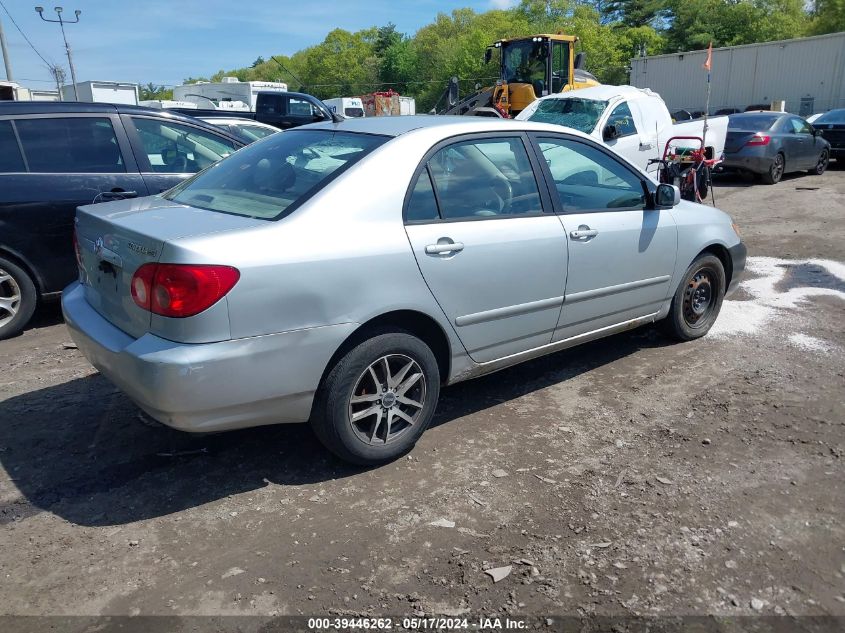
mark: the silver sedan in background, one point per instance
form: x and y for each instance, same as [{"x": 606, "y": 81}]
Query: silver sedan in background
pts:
[{"x": 341, "y": 273}]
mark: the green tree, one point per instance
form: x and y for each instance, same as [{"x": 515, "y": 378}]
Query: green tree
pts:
[{"x": 828, "y": 17}]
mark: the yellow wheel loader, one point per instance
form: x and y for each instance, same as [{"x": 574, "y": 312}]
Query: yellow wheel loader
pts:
[{"x": 529, "y": 68}]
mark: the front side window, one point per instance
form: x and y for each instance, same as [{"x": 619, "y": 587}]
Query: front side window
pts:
[
  {"x": 525, "y": 62},
  {"x": 579, "y": 114},
  {"x": 800, "y": 126},
  {"x": 173, "y": 148},
  {"x": 10, "y": 153},
  {"x": 72, "y": 145},
  {"x": 587, "y": 179},
  {"x": 300, "y": 107},
  {"x": 268, "y": 179},
  {"x": 622, "y": 119},
  {"x": 485, "y": 178}
]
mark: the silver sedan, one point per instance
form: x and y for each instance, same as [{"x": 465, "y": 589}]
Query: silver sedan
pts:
[{"x": 341, "y": 273}]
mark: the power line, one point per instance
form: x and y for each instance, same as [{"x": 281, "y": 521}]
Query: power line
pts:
[{"x": 31, "y": 45}]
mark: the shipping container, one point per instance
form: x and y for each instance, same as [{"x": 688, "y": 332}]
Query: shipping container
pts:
[
  {"x": 102, "y": 92},
  {"x": 807, "y": 73}
]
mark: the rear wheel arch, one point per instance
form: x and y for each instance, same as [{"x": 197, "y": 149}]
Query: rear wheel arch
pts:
[
  {"x": 24, "y": 265},
  {"x": 413, "y": 322}
]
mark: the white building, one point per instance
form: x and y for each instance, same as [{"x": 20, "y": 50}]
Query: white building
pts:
[
  {"x": 228, "y": 94},
  {"x": 102, "y": 92},
  {"x": 807, "y": 73}
]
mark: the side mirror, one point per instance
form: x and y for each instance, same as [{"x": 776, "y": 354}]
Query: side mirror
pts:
[
  {"x": 610, "y": 133},
  {"x": 580, "y": 60},
  {"x": 488, "y": 55},
  {"x": 666, "y": 196}
]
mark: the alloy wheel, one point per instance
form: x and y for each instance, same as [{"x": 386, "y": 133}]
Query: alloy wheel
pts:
[
  {"x": 388, "y": 399},
  {"x": 822, "y": 164},
  {"x": 10, "y": 298},
  {"x": 777, "y": 168}
]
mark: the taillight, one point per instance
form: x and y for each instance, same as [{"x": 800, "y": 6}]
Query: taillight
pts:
[
  {"x": 181, "y": 290},
  {"x": 759, "y": 139}
]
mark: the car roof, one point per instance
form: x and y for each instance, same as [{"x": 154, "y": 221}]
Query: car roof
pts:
[
  {"x": 445, "y": 125},
  {"x": 77, "y": 107},
  {"x": 606, "y": 93}
]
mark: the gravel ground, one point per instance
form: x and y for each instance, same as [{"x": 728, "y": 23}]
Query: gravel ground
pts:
[{"x": 630, "y": 476}]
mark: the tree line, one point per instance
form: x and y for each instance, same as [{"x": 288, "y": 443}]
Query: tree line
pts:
[{"x": 611, "y": 32}]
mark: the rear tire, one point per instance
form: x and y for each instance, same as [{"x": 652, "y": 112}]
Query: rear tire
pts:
[
  {"x": 775, "y": 172},
  {"x": 697, "y": 300},
  {"x": 18, "y": 298},
  {"x": 821, "y": 165},
  {"x": 377, "y": 400}
]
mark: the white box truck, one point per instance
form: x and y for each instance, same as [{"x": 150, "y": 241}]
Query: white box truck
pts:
[
  {"x": 102, "y": 92},
  {"x": 350, "y": 107},
  {"x": 228, "y": 94}
]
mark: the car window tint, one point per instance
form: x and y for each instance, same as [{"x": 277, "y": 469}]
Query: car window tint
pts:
[
  {"x": 173, "y": 148},
  {"x": 485, "y": 178},
  {"x": 800, "y": 126},
  {"x": 300, "y": 107},
  {"x": 623, "y": 120},
  {"x": 752, "y": 122},
  {"x": 422, "y": 204},
  {"x": 10, "y": 154},
  {"x": 70, "y": 145},
  {"x": 587, "y": 179},
  {"x": 270, "y": 104},
  {"x": 267, "y": 179}
]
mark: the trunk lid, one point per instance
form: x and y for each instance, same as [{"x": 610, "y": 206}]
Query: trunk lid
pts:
[
  {"x": 736, "y": 139},
  {"x": 116, "y": 238}
]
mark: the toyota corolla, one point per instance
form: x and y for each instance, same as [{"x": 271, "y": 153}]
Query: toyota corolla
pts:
[{"x": 341, "y": 273}]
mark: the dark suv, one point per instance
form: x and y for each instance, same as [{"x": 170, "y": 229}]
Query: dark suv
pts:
[{"x": 55, "y": 157}]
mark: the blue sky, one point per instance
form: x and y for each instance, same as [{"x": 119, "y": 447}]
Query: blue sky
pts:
[{"x": 164, "y": 41}]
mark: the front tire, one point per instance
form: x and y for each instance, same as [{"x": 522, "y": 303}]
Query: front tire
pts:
[
  {"x": 697, "y": 300},
  {"x": 17, "y": 299},
  {"x": 821, "y": 165},
  {"x": 378, "y": 398}
]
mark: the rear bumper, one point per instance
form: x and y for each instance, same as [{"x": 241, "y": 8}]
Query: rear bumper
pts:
[
  {"x": 738, "y": 255},
  {"x": 211, "y": 386},
  {"x": 753, "y": 164}
]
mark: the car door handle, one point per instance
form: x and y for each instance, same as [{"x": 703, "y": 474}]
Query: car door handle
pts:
[
  {"x": 117, "y": 194},
  {"x": 582, "y": 232},
  {"x": 444, "y": 247}
]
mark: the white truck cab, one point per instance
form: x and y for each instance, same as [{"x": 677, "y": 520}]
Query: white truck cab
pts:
[
  {"x": 350, "y": 107},
  {"x": 634, "y": 122}
]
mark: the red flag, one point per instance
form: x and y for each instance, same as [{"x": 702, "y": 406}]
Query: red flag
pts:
[{"x": 707, "y": 63}]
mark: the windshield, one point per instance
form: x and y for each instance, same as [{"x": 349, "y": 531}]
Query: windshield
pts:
[
  {"x": 579, "y": 114},
  {"x": 274, "y": 176},
  {"x": 252, "y": 133},
  {"x": 524, "y": 61},
  {"x": 834, "y": 116},
  {"x": 752, "y": 123}
]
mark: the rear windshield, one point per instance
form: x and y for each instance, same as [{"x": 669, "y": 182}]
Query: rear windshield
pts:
[
  {"x": 756, "y": 123},
  {"x": 834, "y": 116},
  {"x": 275, "y": 175},
  {"x": 353, "y": 112}
]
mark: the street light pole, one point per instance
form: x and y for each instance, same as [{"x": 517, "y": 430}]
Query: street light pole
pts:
[{"x": 61, "y": 22}]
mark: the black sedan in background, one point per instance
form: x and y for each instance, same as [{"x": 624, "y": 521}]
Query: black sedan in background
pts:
[
  {"x": 832, "y": 127},
  {"x": 55, "y": 157},
  {"x": 771, "y": 144}
]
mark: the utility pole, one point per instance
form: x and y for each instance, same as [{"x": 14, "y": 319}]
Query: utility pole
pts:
[
  {"x": 61, "y": 22},
  {"x": 5, "y": 52}
]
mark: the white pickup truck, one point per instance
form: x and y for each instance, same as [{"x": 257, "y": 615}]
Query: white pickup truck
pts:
[{"x": 634, "y": 122}]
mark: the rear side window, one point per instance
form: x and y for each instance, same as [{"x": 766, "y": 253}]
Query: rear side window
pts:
[
  {"x": 270, "y": 178},
  {"x": 77, "y": 145},
  {"x": 173, "y": 148},
  {"x": 485, "y": 178},
  {"x": 10, "y": 154},
  {"x": 422, "y": 205}
]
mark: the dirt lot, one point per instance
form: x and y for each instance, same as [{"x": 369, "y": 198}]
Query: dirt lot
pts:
[{"x": 629, "y": 476}]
